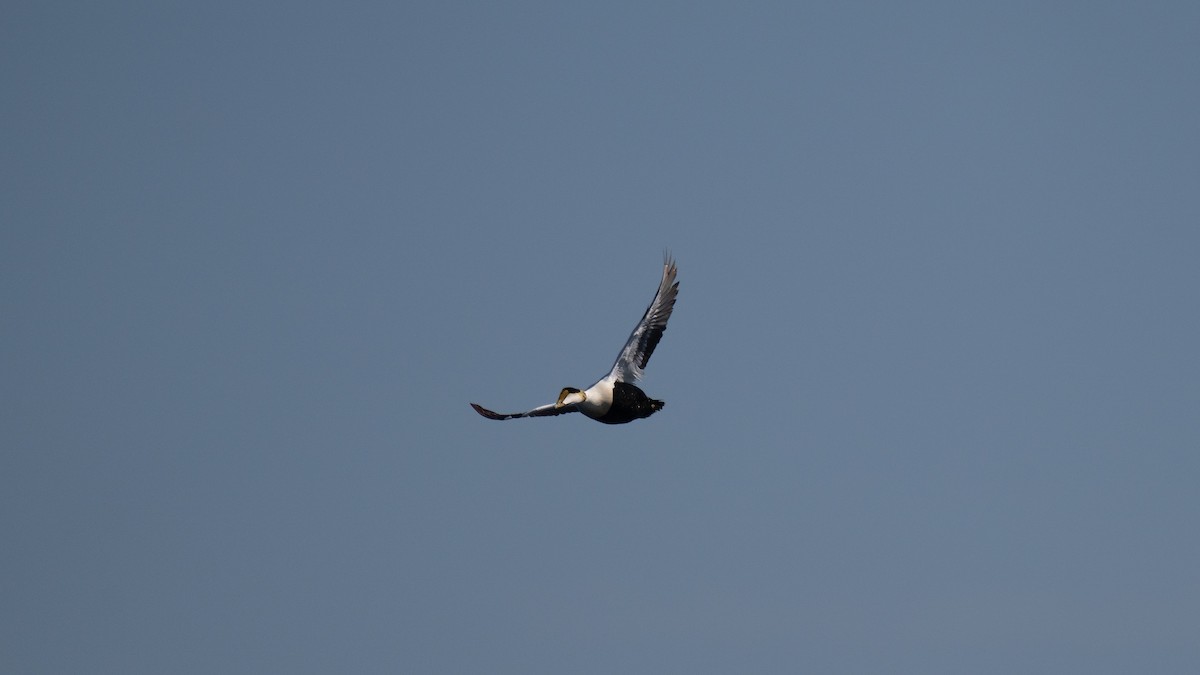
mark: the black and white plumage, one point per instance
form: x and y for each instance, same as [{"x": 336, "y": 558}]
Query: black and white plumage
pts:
[{"x": 614, "y": 399}]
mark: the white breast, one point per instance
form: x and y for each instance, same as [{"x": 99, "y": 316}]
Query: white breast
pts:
[{"x": 599, "y": 399}]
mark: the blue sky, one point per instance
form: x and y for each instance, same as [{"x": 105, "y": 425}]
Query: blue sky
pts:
[{"x": 932, "y": 380}]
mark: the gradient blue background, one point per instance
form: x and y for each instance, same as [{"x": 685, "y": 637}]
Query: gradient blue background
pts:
[{"x": 932, "y": 384}]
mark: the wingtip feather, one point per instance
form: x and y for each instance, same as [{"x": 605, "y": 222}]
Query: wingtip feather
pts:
[{"x": 486, "y": 413}]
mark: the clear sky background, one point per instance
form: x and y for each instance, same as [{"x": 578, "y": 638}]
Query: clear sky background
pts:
[{"x": 932, "y": 383}]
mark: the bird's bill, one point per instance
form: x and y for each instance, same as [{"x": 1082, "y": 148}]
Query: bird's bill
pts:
[{"x": 574, "y": 395}]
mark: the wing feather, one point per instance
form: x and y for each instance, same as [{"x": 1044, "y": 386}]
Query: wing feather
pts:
[
  {"x": 646, "y": 335},
  {"x": 548, "y": 410}
]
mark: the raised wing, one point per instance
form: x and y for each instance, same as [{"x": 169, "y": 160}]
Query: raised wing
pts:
[
  {"x": 547, "y": 410},
  {"x": 649, "y": 331}
]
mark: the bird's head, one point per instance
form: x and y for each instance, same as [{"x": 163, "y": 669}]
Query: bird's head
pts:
[{"x": 569, "y": 396}]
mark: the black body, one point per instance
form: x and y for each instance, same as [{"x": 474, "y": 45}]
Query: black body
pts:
[{"x": 629, "y": 403}]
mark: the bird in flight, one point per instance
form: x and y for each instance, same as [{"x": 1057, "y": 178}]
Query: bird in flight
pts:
[{"x": 614, "y": 399}]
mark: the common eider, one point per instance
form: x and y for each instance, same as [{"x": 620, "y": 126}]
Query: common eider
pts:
[{"x": 615, "y": 399}]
